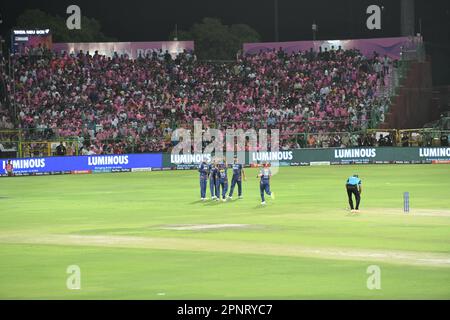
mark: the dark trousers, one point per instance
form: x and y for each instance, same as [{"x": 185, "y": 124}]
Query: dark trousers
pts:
[
  {"x": 203, "y": 183},
  {"x": 234, "y": 181},
  {"x": 224, "y": 185},
  {"x": 353, "y": 190},
  {"x": 264, "y": 187},
  {"x": 213, "y": 187}
]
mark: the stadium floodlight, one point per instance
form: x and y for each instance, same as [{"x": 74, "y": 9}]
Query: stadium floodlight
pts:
[
  {"x": 315, "y": 28},
  {"x": 176, "y": 33},
  {"x": 275, "y": 11}
]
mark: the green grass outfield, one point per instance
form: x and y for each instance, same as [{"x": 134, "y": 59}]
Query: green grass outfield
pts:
[{"x": 130, "y": 235}]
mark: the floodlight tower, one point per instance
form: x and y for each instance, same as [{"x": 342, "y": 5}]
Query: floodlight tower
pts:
[
  {"x": 407, "y": 18},
  {"x": 315, "y": 28},
  {"x": 276, "y": 20},
  {"x": 1, "y": 37}
]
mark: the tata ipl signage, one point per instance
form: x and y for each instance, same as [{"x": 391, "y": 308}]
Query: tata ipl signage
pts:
[{"x": 101, "y": 163}]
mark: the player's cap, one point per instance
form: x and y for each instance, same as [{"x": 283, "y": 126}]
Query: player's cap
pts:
[{"x": 356, "y": 176}]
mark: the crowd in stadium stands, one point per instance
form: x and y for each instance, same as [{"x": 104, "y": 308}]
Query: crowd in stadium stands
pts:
[{"x": 117, "y": 105}]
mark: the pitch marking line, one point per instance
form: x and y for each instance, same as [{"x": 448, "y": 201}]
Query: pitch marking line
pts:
[
  {"x": 236, "y": 247},
  {"x": 413, "y": 212},
  {"x": 204, "y": 227}
]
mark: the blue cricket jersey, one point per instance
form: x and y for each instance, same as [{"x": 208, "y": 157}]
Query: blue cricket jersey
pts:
[
  {"x": 237, "y": 170},
  {"x": 265, "y": 175},
  {"x": 212, "y": 171},
  {"x": 203, "y": 169},
  {"x": 223, "y": 172},
  {"x": 353, "y": 181}
]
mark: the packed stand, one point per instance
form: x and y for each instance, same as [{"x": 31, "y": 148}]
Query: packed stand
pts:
[{"x": 118, "y": 105}]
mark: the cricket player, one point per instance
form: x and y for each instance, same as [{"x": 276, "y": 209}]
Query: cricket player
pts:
[
  {"x": 203, "y": 170},
  {"x": 238, "y": 174},
  {"x": 223, "y": 180},
  {"x": 265, "y": 174},
  {"x": 9, "y": 169},
  {"x": 353, "y": 187},
  {"x": 213, "y": 180}
]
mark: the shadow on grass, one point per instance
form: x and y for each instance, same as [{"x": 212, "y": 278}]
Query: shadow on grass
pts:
[
  {"x": 196, "y": 202},
  {"x": 260, "y": 206},
  {"x": 215, "y": 203}
]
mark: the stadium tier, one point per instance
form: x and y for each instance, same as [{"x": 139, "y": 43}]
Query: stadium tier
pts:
[{"x": 117, "y": 105}]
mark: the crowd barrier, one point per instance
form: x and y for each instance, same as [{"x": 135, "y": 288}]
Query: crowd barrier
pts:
[{"x": 159, "y": 161}]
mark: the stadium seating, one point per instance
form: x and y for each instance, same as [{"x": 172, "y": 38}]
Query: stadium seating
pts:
[{"x": 118, "y": 105}]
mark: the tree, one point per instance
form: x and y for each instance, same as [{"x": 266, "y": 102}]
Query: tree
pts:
[
  {"x": 216, "y": 41},
  {"x": 244, "y": 33},
  {"x": 37, "y": 19}
]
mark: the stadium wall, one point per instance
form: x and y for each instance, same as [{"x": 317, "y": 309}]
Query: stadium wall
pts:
[
  {"x": 392, "y": 47},
  {"x": 159, "y": 161}
]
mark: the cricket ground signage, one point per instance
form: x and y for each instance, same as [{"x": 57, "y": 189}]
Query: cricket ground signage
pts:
[
  {"x": 84, "y": 164},
  {"x": 159, "y": 161},
  {"x": 332, "y": 156}
]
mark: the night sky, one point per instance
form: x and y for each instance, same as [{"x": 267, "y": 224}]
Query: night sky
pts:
[{"x": 153, "y": 20}]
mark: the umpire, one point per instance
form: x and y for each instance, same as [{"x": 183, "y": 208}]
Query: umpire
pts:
[{"x": 353, "y": 186}]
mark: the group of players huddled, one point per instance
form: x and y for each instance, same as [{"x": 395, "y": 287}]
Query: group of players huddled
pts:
[{"x": 216, "y": 172}]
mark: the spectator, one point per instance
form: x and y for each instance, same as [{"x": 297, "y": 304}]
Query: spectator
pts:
[
  {"x": 444, "y": 140},
  {"x": 381, "y": 141},
  {"x": 61, "y": 149},
  {"x": 405, "y": 140},
  {"x": 119, "y": 102}
]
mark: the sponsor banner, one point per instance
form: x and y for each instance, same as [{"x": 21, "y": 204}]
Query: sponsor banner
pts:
[
  {"x": 78, "y": 172},
  {"x": 102, "y": 170},
  {"x": 320, "y": 163},
  {"x": 335, "y": 156},
  {"x": 42, "y": 173},
  {"x": 258, "y": 157},
  {"x": 141, "y": 169},
  {"x": 299, "y": 157},
  {"x": 189, "y": 161},
  {"x": 352, "y": 154},
  {"x": 440, "y": 162},
  {"x": 84, "y": 164},
  {"x": 383, "y": 155},
  {"x": 121, "y": 170},
  {"x": 435, "y": 153}
]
